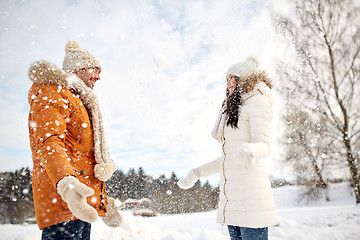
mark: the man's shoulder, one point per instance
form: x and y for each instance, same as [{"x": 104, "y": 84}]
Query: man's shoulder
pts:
[
  {"x": 49, "y": 89},
  {"x": 50, "y": 93}
]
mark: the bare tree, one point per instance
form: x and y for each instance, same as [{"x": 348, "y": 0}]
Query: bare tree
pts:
[
  {"x": 310, "y": 155},
  {"x": 325, "y": 84}
]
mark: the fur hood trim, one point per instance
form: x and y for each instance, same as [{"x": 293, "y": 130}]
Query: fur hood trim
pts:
[
  {"x": 44, "y": 73},
  {"x": 247, "y": 83}
]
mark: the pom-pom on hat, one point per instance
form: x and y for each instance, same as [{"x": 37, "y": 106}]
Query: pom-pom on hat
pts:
[
  {"x": 244, "y": 68},
  {"x": 77, "y": 58}
]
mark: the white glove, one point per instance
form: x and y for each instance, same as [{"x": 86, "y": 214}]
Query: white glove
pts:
[
  {"x": 74, "y": 193},
  {"x": 189, "y": 180},
  {"x": 113, "y": 217},
  {"x": 245, "y": 155},
  {"x": 103, "y": 171}
]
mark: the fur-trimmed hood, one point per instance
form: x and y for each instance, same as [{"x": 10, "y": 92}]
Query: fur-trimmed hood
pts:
[
  {"x": 44, "y": 73},
  {"x": 257, "y": 81},
  {"x": 248, "y": 82}
]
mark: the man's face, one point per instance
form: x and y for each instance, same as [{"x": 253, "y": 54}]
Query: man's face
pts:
[{"x": 89, "y": 76}]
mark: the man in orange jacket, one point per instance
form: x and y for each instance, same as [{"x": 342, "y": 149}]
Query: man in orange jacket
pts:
[{"x": 70, "y": 157}]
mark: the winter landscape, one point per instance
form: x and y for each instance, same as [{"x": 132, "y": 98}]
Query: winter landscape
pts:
[
  {"x": 337, "y": 219},
  {"x": 161, "y": 88}
]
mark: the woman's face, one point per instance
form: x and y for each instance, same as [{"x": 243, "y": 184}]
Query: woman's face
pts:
[{"x": 231, "y": 84}]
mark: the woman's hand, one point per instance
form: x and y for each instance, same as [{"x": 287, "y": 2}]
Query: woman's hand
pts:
[
  {"x": 245, "y": 155},
  {"x": 189, "y": 180}
]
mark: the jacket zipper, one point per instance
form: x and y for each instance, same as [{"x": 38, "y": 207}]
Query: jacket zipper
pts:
[{"x": 223, "y": 169}]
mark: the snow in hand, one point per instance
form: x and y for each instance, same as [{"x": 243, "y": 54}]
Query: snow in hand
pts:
[{"x": 337, "y": 219}]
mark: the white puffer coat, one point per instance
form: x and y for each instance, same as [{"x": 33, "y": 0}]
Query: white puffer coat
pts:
[{"x": 246, "y": 197}]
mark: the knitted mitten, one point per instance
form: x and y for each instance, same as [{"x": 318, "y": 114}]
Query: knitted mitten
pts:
[
  {"x": 113, "y": 217},
  {"x": 189, "y": 180},
  {"x": 245, "y": 155},
  {"x": 74, "y": 193}
]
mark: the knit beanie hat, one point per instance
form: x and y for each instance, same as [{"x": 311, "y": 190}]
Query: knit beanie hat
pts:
[
  {"x": 77, "y": 58},
  {"x": 244, "y": 68}
]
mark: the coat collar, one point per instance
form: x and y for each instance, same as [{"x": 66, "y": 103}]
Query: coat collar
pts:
[{"x": 265, "y": 90}]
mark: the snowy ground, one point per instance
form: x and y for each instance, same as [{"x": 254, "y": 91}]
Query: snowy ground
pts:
[{"x": 338, "y": 219}]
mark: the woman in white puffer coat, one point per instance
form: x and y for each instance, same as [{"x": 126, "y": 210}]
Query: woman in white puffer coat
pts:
[{"x": 246, "y": 203}]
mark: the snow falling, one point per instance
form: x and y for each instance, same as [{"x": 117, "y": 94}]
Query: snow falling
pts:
[{"x": 162, "y": 84}]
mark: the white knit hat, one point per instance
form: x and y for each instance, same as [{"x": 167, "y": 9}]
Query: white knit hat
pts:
[
  {"x": 77, "y": 58},
  {"x": 244, "y": 68}
]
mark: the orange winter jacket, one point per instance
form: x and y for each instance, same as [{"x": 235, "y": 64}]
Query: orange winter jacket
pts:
[{"x": 61, "y": 140}]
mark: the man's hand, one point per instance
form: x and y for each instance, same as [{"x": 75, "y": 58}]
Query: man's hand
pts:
[
  {"x": 113, "y": 217},
  {"x": 74, "y": 193}
]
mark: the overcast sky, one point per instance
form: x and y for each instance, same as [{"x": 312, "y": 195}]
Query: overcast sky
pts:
[{"x": 163, "y": 79}]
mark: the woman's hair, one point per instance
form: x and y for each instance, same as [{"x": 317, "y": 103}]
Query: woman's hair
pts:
[{"x": 233, "y": 103}]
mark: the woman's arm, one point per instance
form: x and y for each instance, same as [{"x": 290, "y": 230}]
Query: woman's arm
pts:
[
  {"x": 204, "y": 170},
  {"x": 260, "y": 117},
  {"x": 209, "y": 168}
]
